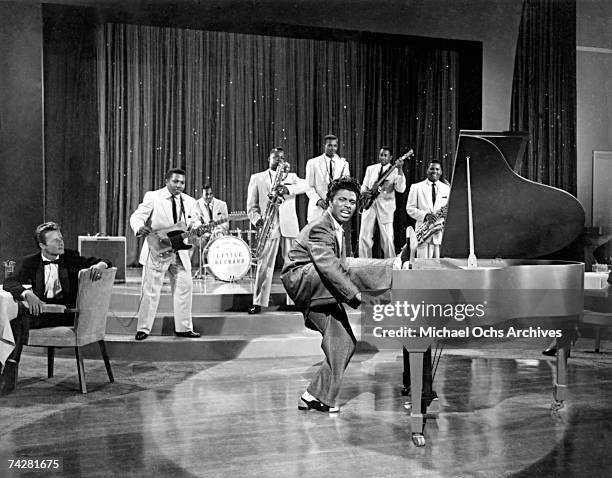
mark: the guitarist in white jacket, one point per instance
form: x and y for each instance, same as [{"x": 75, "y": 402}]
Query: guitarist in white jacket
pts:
[
  {"x": 163, "y": 209},
  {"x": 383, "y": 207}
]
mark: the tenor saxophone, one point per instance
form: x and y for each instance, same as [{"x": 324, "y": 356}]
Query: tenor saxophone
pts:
[
  {"x": 275, "y": 199},
  {"x": 427, "y": 229}
]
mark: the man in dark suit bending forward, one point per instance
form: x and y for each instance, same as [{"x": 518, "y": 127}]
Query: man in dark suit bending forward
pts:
[{"x": 316, "y": 277}]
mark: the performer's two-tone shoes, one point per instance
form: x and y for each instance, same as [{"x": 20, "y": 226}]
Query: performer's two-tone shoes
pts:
[{"x": 308, "y": 402}]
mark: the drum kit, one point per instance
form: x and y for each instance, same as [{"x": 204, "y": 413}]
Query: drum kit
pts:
[{"x": 227, "y": 257}]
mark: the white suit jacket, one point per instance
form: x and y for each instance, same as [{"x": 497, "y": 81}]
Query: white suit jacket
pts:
[
  {"x": 317, "y": 178},
  {"x": 156, "y": 210},
  {"x": 384, "y": 205},
  {"x": 419, "y": 202},
  {"x": 257, "y": 201},
  {"x": 219, "y": 211}
]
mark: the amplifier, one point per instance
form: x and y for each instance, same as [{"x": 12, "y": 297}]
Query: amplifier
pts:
[{"x": 105, "y": 247}]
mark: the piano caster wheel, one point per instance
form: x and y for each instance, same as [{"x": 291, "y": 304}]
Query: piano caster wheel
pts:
[
  {"x": 418, "y": 439},
  {"x": 556, "y": 405}
]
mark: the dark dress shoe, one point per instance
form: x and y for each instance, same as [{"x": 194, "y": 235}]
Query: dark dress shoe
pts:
[
  {"x": 304, "y": 404},
  {"x": 8, "y": 379},
  {"x": 141, "y": 335},
  {"x": 190, "y": 334},
  {"x": 254, "y": 309},
  {"x": 551, "y": 351}
]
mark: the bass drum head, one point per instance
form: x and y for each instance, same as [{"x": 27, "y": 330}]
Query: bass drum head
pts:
[{"x": 229, "y": 258}]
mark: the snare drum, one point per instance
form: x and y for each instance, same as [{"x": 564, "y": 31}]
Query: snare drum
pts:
[{"x": 229, "y": 258}]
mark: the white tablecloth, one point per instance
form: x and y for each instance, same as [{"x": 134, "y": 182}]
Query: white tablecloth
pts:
[
  {"x": 8, "y": 311},
  {"x": 595, "y": 280}
]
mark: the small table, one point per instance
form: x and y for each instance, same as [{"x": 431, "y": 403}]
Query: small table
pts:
[{"x": 597, "y": 304}]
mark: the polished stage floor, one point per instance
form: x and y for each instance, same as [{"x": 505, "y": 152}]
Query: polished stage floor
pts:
[{"x": 239, "y": 418}]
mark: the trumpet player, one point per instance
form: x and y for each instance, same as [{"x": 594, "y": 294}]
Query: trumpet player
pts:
[
  {"x": 425, "y": 199},
  {"x": 276, "y": 184}
]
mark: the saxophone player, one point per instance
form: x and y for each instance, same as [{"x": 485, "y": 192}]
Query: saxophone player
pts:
[
  {"x": 285, "y": 226},
  {"x": 425, "y": 199}
]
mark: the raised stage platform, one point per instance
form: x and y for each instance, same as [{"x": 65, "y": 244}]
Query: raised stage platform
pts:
[{"x": 219, "y": 314}]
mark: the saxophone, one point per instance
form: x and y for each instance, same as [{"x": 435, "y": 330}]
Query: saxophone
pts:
[
  {"x": 275, "y": 199},
  {"x": 427, "y": 229}
]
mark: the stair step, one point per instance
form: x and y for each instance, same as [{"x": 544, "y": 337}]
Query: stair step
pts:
[
  {"x": 201, "y": 303},
  {"x": 218, "y": 348},
  {"x": 269, "y": 322}
]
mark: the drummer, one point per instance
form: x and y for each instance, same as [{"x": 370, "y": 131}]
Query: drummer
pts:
[{"x": 209, "y": 209}]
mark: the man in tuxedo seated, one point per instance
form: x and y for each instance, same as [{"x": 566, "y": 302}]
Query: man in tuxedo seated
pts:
[{"x": 46, "y": 277}]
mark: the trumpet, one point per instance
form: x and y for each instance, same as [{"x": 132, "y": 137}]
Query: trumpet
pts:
[{"x": 275, "y": 199}]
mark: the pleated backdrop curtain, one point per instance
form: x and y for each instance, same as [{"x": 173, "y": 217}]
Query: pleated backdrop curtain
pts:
[
  {"x": 215, "y": 103},
  {"x": 544, "y": 91}
]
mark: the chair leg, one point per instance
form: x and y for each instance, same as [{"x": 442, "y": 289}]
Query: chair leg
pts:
[
  {"x": 597, "y": 339},
  {"x": 50, "y": 361},
  {"x": 106, "y": 361},
  {"x": 81, "y": 369}
]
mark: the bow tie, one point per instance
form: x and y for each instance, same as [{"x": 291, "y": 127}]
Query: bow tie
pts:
[{"x": 56, "y": 261}]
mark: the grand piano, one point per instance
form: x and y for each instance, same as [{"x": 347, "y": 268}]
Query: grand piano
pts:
[{"x": 513, "y": 221}]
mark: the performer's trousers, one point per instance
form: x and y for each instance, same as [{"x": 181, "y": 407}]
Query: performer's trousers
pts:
[
  {"x": 338, "y": 345},
  {"x": 369, "y": 219},
  {"x": 265, "y": 269},
  {"x": 428, "y": 250},
  {"x": 153, "y": 273},
  {"x": 21, "y": 325}
]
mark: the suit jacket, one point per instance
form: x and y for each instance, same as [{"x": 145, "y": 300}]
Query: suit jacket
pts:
[
  {"x": 30, "y": 271},
  {"x": 257, "y": 201},
  {"x": 219, "y": 211},
  {"x": 419, "y": 203},
  {"x": 156, "y": 210},
  {"x": 384, "y": 205},
  {"x": 314, "y": 274},
  {"x": 317, "y": 178}
]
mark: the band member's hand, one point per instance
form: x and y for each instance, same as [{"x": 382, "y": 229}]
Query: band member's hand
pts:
[
  {"x": 34, "y": 303},
  {"x": 144, "y": 231},
  {"x": 322, "y": 203},
  {"x": 95, "y": 272},
  {"x": 429, "y": 217},
  {"x": 259, "y": 224},
  {"x": 282, "y": 190}
]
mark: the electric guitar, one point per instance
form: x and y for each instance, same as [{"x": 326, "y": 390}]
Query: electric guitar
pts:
[
  {"x": 164, "y": 242},
  {"x": 369, "y": 196}
]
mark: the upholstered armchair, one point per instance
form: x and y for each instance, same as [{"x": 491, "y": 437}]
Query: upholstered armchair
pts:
[{"x": 92, "y": 305}]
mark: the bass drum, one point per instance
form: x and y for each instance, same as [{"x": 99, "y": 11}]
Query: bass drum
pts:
[{"x": 229, "y": 258}]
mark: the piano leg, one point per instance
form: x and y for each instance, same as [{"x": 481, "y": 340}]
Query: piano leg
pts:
[
  {"x": 560, "y": 391},
  {"x": 417, "y": 417},
  {"x": 429, "y": 394}
]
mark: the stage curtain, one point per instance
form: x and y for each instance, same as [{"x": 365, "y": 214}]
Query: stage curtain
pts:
[
  {"x": 215, "y": 103},
  {"x": 544, "y": 91}
]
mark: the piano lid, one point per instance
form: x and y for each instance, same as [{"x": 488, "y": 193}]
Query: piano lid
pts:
[{"x": 513, "y": 217}]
